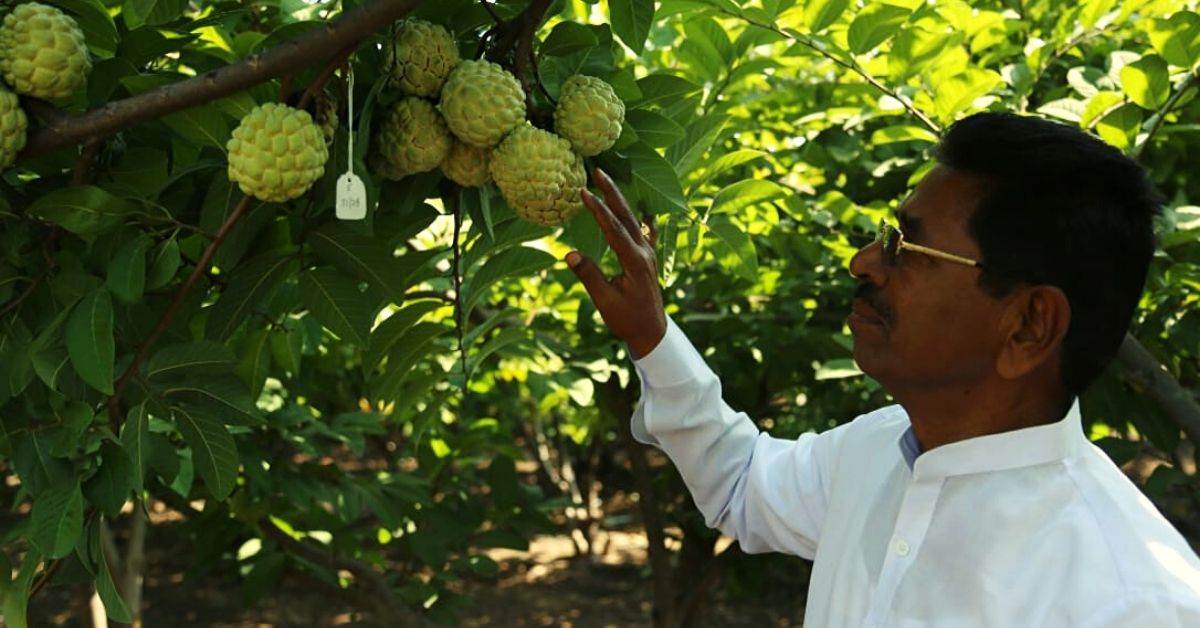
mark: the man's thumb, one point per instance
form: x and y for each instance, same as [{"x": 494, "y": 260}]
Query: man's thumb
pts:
[{"x": 587, "y": 271}]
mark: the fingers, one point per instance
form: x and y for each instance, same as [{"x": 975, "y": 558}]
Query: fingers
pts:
[
  {"x": 617, "y": 203},
  {"x": 618, "y": 236},
  {"x": 590, "y": 276}
]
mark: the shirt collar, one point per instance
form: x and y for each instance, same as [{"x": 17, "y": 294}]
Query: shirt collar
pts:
[{"x": 997, "y": 452}]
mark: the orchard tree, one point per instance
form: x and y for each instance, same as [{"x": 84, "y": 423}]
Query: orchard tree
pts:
[{"x": 290, "y": 269}]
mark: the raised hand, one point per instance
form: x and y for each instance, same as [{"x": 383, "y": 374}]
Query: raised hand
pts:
[{"x": 631, "y": 302}]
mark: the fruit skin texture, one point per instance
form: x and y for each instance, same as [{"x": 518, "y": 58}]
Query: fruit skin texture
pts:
[
  {"x": 482, "y": 102},
  {"x": 467, "y": 165},
  {"x": 421, "y": 56},
  {"x": 588, "y": 114},
  {"x": 13, "y": 125},
  {"x": 276, "y": 153},
  {"x": 539, "y": 175},
  {"x": 412, "y": 138},
  {"x": 42, "y": 52}
]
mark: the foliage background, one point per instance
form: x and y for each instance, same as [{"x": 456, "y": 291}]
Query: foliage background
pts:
[{"x": 329, "y": 400}]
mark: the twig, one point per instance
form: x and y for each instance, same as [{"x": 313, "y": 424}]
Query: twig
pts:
[
  {"x": 1161, "y": 115},
  {"x": 83, "y": 165},
  {"x": 456, "y": 205},
  {"x": 114, "y": 402},
  {"x": 302, "y": 52},
  {"x": 318, "y": 83},
  {"x": 487, "y": 6},
  {"x": 385, "y": 601},
  {"x": 849, "y": 65}
]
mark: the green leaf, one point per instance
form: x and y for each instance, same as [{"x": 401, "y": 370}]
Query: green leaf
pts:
[
  {"x": 139, "y": 12},
  {"x": 392, "y": 330},
  {"x": 57, "y": 519},
  {"x": 738, "y": 196},
  {"x": 97, "y": 563},
  {"x": 110, "y": 486},
  {"x": 821, "y": 14},
  {"x": 504, "y": 338},
  {"x": 337, "y": 302},
  {"x": 521, "y": 260},
  {"x": 566, "y": 38},
  {"x": 874, "y": 25},
  {"x": 837, "y": 369},
  {"x": 205, "y": 125},
  {"x": 164, "y": 263},
  {"x": 1146, "y": 82},
  {"x": 90, "y": 340},
  {"x": 214, "y": 453},
  {"x": 16, "y": 596},
  {"x": 135, "y": 440},
  {"x": 405, "y": 353},
  {"x": 1177, "y": 38},
  {"x": 741, "y": 256},
  {"x": 97, "y": 25},
  {"x": 655, "y": 180},
  {"x": 1098, "y": 106},
  {"x": 255, "y": 363},
  {"x": 1121, "y": 126},
  {"x": 655, "y": 129},
  {"x": 76, "y": 416},
  {"x": 127, "y": 271},
  {"x": 222, "y": 397},
  {"x": 195, "y": 358},
  {"x": 251, "y": 286},
  {"x": 631, "y": 20},
  {"x": 664, "y": 89},
  {"x": 287, "y": 345},
  {"x": 367, "y": 258},
  {"x": 83, "y": 210},
  {"x": 956, "y": 94},
  {"x": 903, "y": 133}
]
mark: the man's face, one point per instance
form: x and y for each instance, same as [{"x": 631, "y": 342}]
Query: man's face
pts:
[{"x": 923, "y": 323}]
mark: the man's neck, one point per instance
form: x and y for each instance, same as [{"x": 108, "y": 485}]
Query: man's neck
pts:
[{"x": 945, "y": 417}]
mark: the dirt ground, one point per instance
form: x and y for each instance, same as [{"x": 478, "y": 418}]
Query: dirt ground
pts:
[{"x": 545, "y": 586}]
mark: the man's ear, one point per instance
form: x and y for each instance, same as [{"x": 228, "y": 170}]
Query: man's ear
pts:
[{"x": 1035, "y": 323}]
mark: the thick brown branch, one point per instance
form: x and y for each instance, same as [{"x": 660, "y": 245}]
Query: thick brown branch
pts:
[
  {"x": 292, "y": 56},
  {"x": 114, "y": 402},
  {"x": 394, "y": 613},
  {"x": 1143, "y": 370}
]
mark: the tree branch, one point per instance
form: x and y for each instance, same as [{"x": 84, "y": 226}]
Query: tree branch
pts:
[
  {"x": 114, "y": 402},
  {"x": 385, "y": 602},
  {"x": 1143, "y": 370},
  {"x": 292, "y": 56}
]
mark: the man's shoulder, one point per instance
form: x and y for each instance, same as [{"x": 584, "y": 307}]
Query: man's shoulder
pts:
[{"x": 888, "y": 420}]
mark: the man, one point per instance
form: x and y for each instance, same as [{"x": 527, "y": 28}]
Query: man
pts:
[{"x": 976, "y": 500}]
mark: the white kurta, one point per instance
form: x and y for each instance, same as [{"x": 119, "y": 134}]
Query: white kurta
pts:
[{"x": 1034, "y": 527}]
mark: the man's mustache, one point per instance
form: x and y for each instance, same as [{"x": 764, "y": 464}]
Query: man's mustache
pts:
[{"x": 874, "y": 298}]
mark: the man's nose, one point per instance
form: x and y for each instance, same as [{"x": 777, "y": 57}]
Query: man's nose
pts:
[{"x": 867, "y": 264}]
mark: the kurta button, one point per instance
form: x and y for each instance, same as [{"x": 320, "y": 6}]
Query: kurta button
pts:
[{"x": 901, "y": 548}]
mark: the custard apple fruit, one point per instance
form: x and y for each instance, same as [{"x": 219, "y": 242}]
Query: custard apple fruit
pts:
[
  {"x": 539, "y": 175},
  {"x": 412, "y": 138},
  {"x": 42, "y": 52},
  {"x": 13, "y": 124},
  {"x": 276, "y": 153},
  {"x": 482, "y": 102},
  {"x": 467, "y": 165},
  {"x": 588, "y": 114},
  {"x": 420, "y": 57}
]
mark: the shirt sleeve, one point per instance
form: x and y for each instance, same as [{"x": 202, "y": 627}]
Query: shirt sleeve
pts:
[
  {"x": 1160, "y": 609},
  {"x": 768, "y": 493}
]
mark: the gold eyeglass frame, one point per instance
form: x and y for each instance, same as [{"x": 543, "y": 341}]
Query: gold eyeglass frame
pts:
[{"x": 887, "y": 230}]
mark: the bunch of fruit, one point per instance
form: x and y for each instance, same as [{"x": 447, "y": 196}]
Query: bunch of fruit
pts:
[
  {"x": 477, "y": 132},
  {"x": 42, "y": 54}
]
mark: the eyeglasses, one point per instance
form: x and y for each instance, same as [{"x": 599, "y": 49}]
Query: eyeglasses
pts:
[{"x": 893, "y": 242}]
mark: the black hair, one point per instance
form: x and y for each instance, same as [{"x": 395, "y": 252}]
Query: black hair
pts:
[{"x": 1059, "y": 207}]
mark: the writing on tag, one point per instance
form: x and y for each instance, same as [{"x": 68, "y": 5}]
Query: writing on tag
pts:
[{"x": 351, "y": 197}]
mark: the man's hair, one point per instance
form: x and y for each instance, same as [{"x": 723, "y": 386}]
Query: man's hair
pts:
[{"x": 1059, "y": 207}]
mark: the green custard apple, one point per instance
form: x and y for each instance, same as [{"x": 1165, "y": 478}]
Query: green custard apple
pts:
[
  {"x": 13, "y": 125},
  {"x": 539, "y": 175},
  {"x": 420, "y": 57},
  {"x": 276, "y": 153},
  {"x": 42, "y": 52},
  {"x": 467, "y": 165},
  {"x": 412, "y": 138},
  {"x": 482, "y": 102},
  {"x": 588, "y": 114}
]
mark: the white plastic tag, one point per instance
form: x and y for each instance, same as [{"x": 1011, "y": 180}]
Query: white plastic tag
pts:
[
  {"x": 351, "y": 192},
  {"x": 351, "y": 197}
]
